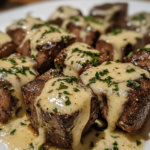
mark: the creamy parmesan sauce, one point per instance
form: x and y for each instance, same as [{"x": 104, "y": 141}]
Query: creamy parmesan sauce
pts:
[
  {"x": 108, "y": 13},
  {"x": 72, "y": 66},
  {"x": 36, "y": 36},
  {"x": 116, "y": 95},
  {"x": 120, "y": 41},
  {"x": 141, "y": 21},
  {"x": 26, "y": 24},
  {"x": 64, "y": 13},
  {"x": 4, "y": 38},
  {"x": 52, "y": 101},
  {"x": 147, "y": 46},
  {"x": 21, "y": 79}
]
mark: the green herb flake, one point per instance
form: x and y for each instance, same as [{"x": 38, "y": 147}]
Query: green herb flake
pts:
[
  {"x": 136, "y": 38},
  {"x": 65, "y": 92},
  {"x": 130, "y": 70},
  {"x": 50, "y": 91},
  {"x": 55, "y": 110},
  {"x": 22, "y": 123},
  {"x": 76, "y": 90},
  {"x": 32, "y": 56},
  {"x": 115, "y": 143},
  {"x": 31, "y": 73},
  {"x": 124, "y": 39},
  {"x": 115, "y": 136},
  {"x": 116, "y": 31},
  {"x": 62, "y": 86},
  {"x": 4, "y": 86},
  {"x": 139, "y": 17},
  {"x": 41, "y": 147},
  {"x": 1, "y": 129},
  {"x": 94, "y": 20},
  {"x": 72, "y": 62},
  {"x": 31, "y": 145},
  {"x": 108, "y": 62},
  {"x": 118, "y": 60},
  {"x": 146, "y": 49},
  {"x": 104, "y": 72},
  {"x": 13, "y": 132},
  {"x": 143, "y": 75},
  {"x": 133, "y": 82},
  {"x": 138, "y": 143},
  {"x": 37, "y": 41},
  {"x": 67, "y": 102},
  {"x": 130, "y": 55}
]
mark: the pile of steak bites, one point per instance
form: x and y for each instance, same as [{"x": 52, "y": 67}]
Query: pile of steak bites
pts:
[{"x": 63, "y": 50}]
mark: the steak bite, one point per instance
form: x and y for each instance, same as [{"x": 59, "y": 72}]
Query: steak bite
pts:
[
  {"x": 63, "y": 13},
  {"x": 140, "y": 57},
  {"x": 76, "y": 58},
  {"x": 14, "y": 73},
  {"x": 62, "y": 106},
  {"x": 19, "y": 29},
  {"x": 7, "y": 47},
  {"x": 124, "y": 92},
  {"x": 87, "y": 29},
  {"x": 119, "y": 43},
  {"x": 43, "y": 43},
  {"x": 111, "y": 12}
]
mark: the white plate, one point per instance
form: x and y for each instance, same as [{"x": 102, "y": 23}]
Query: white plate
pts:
[{"x": 44, "y": 9}]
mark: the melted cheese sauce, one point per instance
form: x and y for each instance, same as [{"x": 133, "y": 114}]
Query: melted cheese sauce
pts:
[
  {"x": 4, "y": 38},
  {"x": 26, "y": 24},
  {"x": 147, "y": 46},
  {"x": 142, "y": 25},
  {"x": 72, "y": 66},
  {"x": 116, "y": 98},
  {"x": 120, "y": 41},
  {"x": 21, "y": 79},
  {"x": 36, "y": 37},
  {"x": 54, "y": 100},
  {"x": 64, "y": 13},
  {"x": 108, "y": 13}
]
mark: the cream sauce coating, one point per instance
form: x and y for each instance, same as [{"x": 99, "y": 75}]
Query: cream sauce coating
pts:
[
  {"x": 21, "y": 79},
  {"x": 108, "y": 13},
  {"x": 70, "y": 99},
  {"x": 4, "y": 38},
  {"x": 147, "y": 46},
  {"x": 64, "y": 13},
  {"x": 141, "y": 21},
  {"x": 117, "y": 91},
  {"x": 37, "y": 37},
  {"x": 26, "y": 24},
  {"x": 73, "y": 58},
  {"x": 120, "y": 41}
]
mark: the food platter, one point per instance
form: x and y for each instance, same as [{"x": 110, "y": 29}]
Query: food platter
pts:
[{"x": 44, "y": 9}]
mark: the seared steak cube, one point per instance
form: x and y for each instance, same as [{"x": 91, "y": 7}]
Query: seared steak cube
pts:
[
  {"x": 43, "y": 43},
  {"x": 62, "y": 106},
  {"x": 63, "y": 13},
  {"x": 14, "y": 73},
  {"x": 7, "y": 47},
  {"x": 118, "y": 44},
  {"x": 124, "y": 92}
]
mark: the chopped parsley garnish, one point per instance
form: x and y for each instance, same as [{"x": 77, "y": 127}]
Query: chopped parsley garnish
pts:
[
  {"x": 36, "y": 26},
  {"x": 37, "y": 41},
  {"x": 118, "y": 60},
  {"x": 130, "y": 70},
  {"x": 115, "y": 136},
  {"x": 136, "y": 38},
  {"x": 146, "y": 49},
  {"x": 65, "y": 92},
  {"x": 20, "y": 23},
  {"x": 138, "y": 143},
  {"x": 51, "y": 30},
  {"x": 108, "y": 62},
  {"x": 67, "y": 102},
  {"x": 94, "y": 20},
  {"x": 116, "y": 31},
  {"x": 22, "y": 123},
  {"x": 59, "y": 95},
  {"x": 13, "y": 132},
  {"x": 52, "y": 74},
  {"x": 105, "y": 72},
  {"x": 31, "y": 145},
  {"x": 76, "y": 90},
  {"x": 31, "y": 72},
  {"x": 139, "y": 17},
  {"x": 33, "y": 56},
  {"x": 94, "y": 61},
  {"x": 4, "y": 86},
  {"x": 143, "y": 75},
  {"x": 133, "y": 82},
  {"x": 69, "y": 57},
  {"x": 55, "y": 110},
  {"x": 86, "y": 74},
  {"x": 41, "y": 147},
  {"x": 124, "y": 39},
  {"x": 130, "y": 55},
  {"x": 72, "y": 62},
  {"x": 65, "y": 38},
  {"x": 12, "y": 60},
  {"x": 1, "y": 129},
  {"x": 74, "y": 18},
  {"x": 50, "y": 91},
  {"x": 62, "y": 86}
]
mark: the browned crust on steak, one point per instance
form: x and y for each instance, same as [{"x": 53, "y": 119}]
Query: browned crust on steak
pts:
[
  {"x": 135, "y": 109},
  {"x": 17, "y": 35},
  {"x": 7, "y": 49},
  {"x": 140, "y": 58},
  {"x": 118, "y": 16},
  {"x": 7, "y": 102},
  {"x": 106, "y": 50},
  {"x": 56, "y": 125},
  {"x": 46, "y": 53}
]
